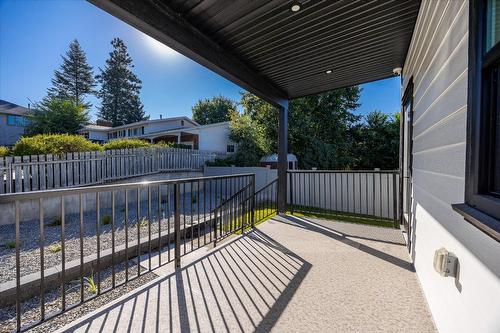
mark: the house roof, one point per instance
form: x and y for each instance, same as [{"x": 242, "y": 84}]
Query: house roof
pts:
[
  {"x": 274, "y": 52},
  {"x": 145, "y": 122},
  {"x": 93, "y": 127},
  {"x": 11, "y": 108}
]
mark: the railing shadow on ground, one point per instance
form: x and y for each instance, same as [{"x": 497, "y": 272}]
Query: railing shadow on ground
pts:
[
  {"x": 311, "y": 225},
  {"x": 243, "y": 285}
]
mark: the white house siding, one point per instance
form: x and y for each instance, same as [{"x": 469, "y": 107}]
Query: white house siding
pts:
[
  {"x": 213, "y": 137},
  {"x": 437, "y": 59}
]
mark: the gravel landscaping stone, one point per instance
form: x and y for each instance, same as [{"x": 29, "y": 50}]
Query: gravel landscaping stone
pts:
[
  {"x": 30, "y": 234},
  {"x": 53, "y": 303}
]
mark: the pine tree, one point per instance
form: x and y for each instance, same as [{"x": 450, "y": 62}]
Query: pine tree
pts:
[
  {"x": 120, "y": 88},
  {"x": 75, "y": 78}
]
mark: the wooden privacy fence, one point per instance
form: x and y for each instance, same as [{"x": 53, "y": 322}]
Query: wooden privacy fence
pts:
[{"x": 43, "y": 172}]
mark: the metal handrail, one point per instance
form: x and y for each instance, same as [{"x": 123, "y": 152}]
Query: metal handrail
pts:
[
  {"x": 10, "y": 197},
  {"x": 197, "y": 233}
]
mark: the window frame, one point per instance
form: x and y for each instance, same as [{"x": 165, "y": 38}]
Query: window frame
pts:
[{"x": 481, "y": 208}]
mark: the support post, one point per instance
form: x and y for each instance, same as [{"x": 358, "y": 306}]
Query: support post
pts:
[{"x": 282, "y": 157}]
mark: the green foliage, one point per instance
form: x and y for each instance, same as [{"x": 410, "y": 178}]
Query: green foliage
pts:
[
  {"x": 215, "y": 110},
  {"x": 56, "y": 115},
  {"x": 222, "y": 162},
  {"x": 54, "y": 248},
  {"x": 4, "y": 151},
  {"x": 120, "y": 88},
  {"x": 75, "y": 78},
  {"x": 89, "y": 282},
  {"x": 126, "y": 143},
  {"x": 106, "y": 219},
  {"x": 378, "y": 143},
  {"x": 144, "y": 222},
  {"x": 323, "y": 132},
  {"x": 250, "y": 136},
  {"x": 53, "y": 144},
  {"x": 10, "y": 244},
  {"x": 56, "y": 221}
]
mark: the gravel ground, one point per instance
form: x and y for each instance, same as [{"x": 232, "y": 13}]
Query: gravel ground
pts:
[
  {"x": 31, "y": 307},
  {"x": 30, "y": 231}
]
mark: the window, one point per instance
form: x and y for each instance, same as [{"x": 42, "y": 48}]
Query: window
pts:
[
  {"x": 182, "y": 122},
  {"x": 482, "y": 187},
  {"x": 230, "y": 148},
  {"x": 142, "y": 130},
  {"x": 13, "y": 120}
]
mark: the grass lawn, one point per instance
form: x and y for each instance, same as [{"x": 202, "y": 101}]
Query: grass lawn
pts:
[{"x": 319, "y": 213}]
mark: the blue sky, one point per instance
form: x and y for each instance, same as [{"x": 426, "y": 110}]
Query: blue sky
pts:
[{"x": 34, "y": 33}]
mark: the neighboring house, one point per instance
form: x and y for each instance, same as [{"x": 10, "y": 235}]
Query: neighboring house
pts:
[
  {"x": 179, "y": 130},
  {"x": 13, "y": 121}
]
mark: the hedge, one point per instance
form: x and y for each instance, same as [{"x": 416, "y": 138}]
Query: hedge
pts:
[
  {"x": 4, "y": 151},
  {"x": 126, "y": 143},
  {"x": 55, "y": 144}
]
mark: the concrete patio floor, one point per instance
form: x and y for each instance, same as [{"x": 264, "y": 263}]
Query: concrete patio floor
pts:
[{"x": 291, "y": 274}]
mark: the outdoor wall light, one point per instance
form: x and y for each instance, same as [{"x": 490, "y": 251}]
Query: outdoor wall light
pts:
[
  {"x": 295, "y": 6},
  {"x": 329, "y": 71}
]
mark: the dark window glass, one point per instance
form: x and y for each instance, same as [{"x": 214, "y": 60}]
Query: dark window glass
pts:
[{"x": 492, "y": 24}]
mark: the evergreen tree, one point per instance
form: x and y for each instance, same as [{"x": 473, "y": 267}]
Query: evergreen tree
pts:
[
  {"x": 56, "y": 115},
  {"x": 75, "y": 78},
  {"x": 120, "y": 88}
]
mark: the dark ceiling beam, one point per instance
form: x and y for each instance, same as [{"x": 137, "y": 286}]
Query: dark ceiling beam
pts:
[{"x": 163, "y": 24}]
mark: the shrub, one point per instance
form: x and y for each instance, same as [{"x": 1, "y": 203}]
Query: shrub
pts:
[
  {"x": 56, "y": 144},
  {"x": 55, "y": 222},
  {"x": 222, "y": 162},
  {"x": 54, "y": 248},
  {"x": 11, "y": 244},
  {"x": 106, "y": 219},
  {"x": 126, "y": 143},
  {"x": 4, "y": 151},
  {"x": 89, "y": 282}
]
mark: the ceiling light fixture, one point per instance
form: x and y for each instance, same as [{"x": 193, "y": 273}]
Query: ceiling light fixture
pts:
[
  {"x": 329, "y": 71},
  {"x": 295, "y": 6}
]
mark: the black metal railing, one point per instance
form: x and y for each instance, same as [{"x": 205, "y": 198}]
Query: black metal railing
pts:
[
  {"x": 266, "y": 201},
  {"x": 89, "y": 240},
  {"x": 370, "y": 193}
]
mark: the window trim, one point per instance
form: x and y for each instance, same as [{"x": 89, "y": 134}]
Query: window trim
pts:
[{"x": 481, "y": 210}]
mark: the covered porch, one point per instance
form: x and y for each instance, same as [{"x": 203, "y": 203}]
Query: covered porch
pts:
[{"x": 289, "y": 274}]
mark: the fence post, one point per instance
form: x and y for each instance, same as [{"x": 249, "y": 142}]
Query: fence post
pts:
[
  {"x": 291, "y": 192},
  {"x": 177, "y": 225},
  {"x": 395, "y": 201}
]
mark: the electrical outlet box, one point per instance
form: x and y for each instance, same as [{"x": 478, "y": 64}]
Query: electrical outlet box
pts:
[{"x": 445, "y": 263}]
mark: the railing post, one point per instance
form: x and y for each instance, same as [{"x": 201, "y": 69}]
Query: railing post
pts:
[
  {"x": 177, "y": 225},
  {"x": 215, "y": 226},
  {"x": 252, "y": 202},
  {"x": 291, "y": 191}
]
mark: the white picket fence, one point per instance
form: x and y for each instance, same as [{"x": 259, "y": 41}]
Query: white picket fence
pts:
[{"x": 42, "y": 172}]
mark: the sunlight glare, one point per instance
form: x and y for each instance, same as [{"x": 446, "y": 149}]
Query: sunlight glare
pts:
[{"x": 160, "y": 48}]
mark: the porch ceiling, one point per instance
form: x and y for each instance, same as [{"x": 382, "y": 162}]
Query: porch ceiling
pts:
[{"x": 278, "y": 54}]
